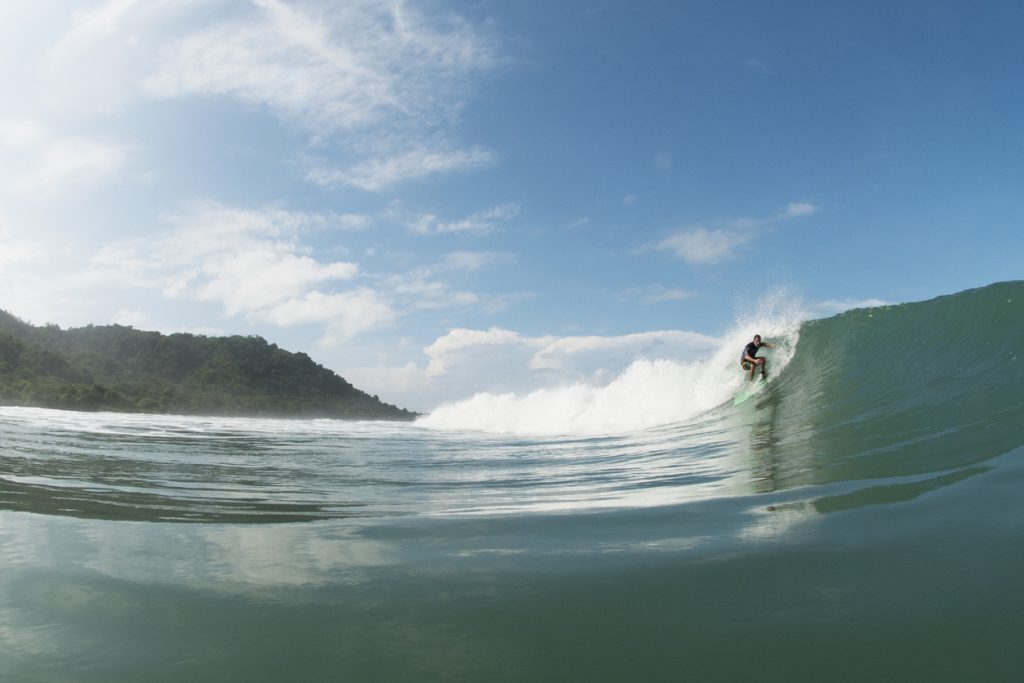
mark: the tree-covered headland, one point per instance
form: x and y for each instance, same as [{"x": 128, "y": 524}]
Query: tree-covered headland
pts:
[{"x": 113, "y": 367}]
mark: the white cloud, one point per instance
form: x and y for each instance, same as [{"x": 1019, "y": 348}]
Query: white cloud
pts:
[
  {"x": 405, "y": 381},
  {"x": 353, "y": 221},
  {"x": 480, "y": 222},
  {"x": 704, "y": 246},
  {"x": 796, "y": 209},
  {"x": 131, "y": 317},
  {"x": 458, "y": 339},
  {"x": 261, "y": 276},
  {"x": 426, "y": 287},
  {"x": 421, "y": 290},
  {"x": 656, "y": 294},
  {"x": 474, "y": 260},
  {"x": 252, "y": 263},
  {"x": 17, "y": 252},
  {"x": 385, "y": 170},
  {"x": 715, "y": 245},
  {"x": 379, "y": 85},
  {"x": 331, "y": 66},
  {"x": 90, "y": 25},
  {"x": 345, "y": 313},
  {"x": 383, "y": 79},
  {"x": 36, "y": 163}
]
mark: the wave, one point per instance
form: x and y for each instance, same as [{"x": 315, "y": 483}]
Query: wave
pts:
[{"x": 873, "y": 404}]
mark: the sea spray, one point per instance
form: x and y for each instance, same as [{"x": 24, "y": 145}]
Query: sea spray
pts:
[{"x": 649, "y": 392}]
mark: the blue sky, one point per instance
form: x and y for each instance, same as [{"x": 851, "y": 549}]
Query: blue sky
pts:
[{"x": 438, "y": 198}]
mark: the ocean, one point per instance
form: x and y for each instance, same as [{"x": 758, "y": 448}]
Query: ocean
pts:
[{"x": 859, "y": 517}]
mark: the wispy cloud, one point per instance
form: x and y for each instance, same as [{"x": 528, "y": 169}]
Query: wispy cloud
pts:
[
  {"x": 656, "y": 294},
  {"x": 383, "y": 80},
  {"x": 36, "y": 163},
  {"x": 758, "y": 65},
  {"x": 89, "y": 25},
  {"x": 704, "y": 246},
  {"x": 388, "y": 169},
  {"x": 470, "y": 261},
  {"x": 480, "y": 222},
  {"x": 796, "y": 209},
  {"x": 331, "y": 66},
  {"x": 378, "y": 86},
  {"x": 716, "y": 245}
]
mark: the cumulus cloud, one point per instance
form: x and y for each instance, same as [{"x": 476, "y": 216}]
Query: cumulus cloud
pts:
[
  {"x": 458, "y": 339},
  {"x": 265, "y": 276},
  {"x": 252, "y": 263},
  {"x": 346, "y": 313}
]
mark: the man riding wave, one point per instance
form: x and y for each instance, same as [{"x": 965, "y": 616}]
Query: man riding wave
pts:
[{"x": 750, "y": 361}]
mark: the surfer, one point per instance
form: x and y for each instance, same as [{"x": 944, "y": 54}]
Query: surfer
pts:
[{"x": 749, "y": 359}]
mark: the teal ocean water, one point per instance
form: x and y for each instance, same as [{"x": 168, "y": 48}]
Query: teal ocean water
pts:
[{"x": 860, "y": 517}]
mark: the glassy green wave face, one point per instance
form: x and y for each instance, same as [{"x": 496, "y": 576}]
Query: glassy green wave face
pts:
[
  {"x": 901, "y": 390},
  {"x": 896, "y": 399}
]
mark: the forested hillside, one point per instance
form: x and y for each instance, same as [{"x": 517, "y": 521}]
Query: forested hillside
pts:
[{"x": 120, "y": 368}]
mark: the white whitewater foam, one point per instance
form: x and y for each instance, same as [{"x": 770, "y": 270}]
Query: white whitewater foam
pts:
[{"x": 648, "y": 393}]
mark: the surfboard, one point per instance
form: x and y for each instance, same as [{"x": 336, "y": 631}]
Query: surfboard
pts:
[{"x": 749, "y": 390}]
